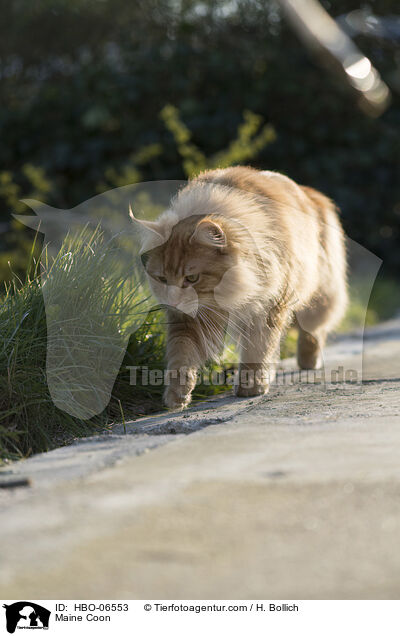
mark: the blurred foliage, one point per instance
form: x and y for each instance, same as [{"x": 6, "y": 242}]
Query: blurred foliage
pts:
[
  {"x": 239, "y": 151},
  {"x": 383, "y": 303},
  {"x": 17, "y": 245},
  {"x": 83, "y": 84}
]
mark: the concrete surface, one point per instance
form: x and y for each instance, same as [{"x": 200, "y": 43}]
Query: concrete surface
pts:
[{"x": 293, "y": 495}]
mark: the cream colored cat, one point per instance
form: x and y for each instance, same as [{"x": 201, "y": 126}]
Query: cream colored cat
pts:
[{"x": 251, "y": 249}]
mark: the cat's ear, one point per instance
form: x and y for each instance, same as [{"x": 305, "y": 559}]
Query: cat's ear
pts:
[
  {"x": 150, "y": 232},
  {"x": 209, "y": 233},
  {"x": 145, "y": 226}
]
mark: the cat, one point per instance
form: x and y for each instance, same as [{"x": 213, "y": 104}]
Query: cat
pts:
[{"x": 251, "y": 249}]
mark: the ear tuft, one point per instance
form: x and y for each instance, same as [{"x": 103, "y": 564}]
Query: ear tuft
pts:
[
  {"x": 150, "y": 231},
  {"x": 209, "y": 233}
]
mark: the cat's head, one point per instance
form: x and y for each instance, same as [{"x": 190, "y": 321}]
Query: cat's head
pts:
[{"x": 195, "y": 262}]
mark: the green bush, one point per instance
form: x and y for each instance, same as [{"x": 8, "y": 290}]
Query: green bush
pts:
[{"x": 83, "y": 85}]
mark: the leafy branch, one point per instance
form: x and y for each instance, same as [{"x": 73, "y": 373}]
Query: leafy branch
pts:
[{"x": 251, "y": 138}]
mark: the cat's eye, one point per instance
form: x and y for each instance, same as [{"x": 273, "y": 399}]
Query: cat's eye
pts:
[
  {"x": 192, "y": 278},
  {"x": 161, "y": 279}
]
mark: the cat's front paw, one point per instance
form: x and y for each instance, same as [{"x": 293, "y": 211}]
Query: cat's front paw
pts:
[
  {"x": 174, "y": 398},
  {"x": 251, "y": 391}
]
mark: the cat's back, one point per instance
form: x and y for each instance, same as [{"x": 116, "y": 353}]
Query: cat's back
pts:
[
  {"x": 274, "y": 186},
  {"x": 291, "y": 200}
]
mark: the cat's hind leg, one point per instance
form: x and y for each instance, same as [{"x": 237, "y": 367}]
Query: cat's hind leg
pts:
[
  {"x": 309, "y": 349},
  {"x": 314, "y": 323}
]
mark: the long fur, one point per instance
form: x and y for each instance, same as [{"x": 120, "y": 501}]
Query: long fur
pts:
[{"x": 268, "y": 252}]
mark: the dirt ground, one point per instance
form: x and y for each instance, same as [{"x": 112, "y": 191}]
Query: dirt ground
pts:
[{"x": 293, "y": 495}]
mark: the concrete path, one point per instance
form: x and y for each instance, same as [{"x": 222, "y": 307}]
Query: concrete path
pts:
[{"x": 293, "y": 495}]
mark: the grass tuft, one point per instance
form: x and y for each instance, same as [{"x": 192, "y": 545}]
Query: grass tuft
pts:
[{"x": 91, "y": 308}]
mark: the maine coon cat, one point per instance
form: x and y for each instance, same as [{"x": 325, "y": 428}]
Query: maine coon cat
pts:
[{"x": 250, "y": 249}]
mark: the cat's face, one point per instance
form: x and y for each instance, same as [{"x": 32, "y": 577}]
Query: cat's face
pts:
[{"x": 194, "y": 267}]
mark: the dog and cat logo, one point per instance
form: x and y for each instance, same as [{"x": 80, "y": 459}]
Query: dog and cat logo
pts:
[{"x": 26, "y": 615}]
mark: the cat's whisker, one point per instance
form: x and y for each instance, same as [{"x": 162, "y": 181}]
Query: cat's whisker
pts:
[
  {"x": 207, "y": 322},
  {"x": 235, "y": 332},
  {"x": 201, "y": 331},
  {"x": 230, "y": 324},
  {"x": 211, "y": 340},
  {"x": 216, "y": 325},
  {"x": 227, "y": 314},
  {"x": 214, "y": 333}
]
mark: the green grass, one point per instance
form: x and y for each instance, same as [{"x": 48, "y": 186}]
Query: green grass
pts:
[
  {"x": 30, "y": 422},
  {"x": 102, "y": 308}
]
